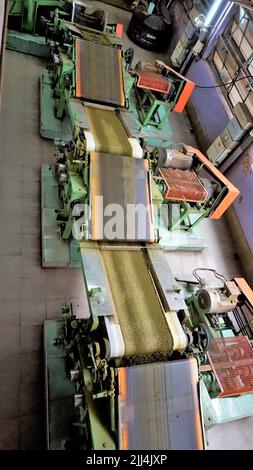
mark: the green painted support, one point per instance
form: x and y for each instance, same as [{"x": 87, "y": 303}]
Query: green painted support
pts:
[
  {"x": 59, "y": 391},
  {"x": 27, "y": 44},
  {"x": 15, "y": 7},
  {"x": 28, "y": 11},
  {"x": 186, "y": 211},
  {"x": 50, "y": 126},
  {"x": 56, "y": 252}
]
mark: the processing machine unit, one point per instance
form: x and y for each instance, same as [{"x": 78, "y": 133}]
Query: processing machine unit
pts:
[
  {"x": 147, "y": 361},
  {"x": 148, "y": 365},
  {"x": 99, "y": 110}
]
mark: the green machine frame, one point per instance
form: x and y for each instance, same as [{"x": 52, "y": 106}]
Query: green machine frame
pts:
[{"x": 28, "y": 10}]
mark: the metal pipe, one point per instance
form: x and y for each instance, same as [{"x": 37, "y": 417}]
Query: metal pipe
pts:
[{"x": 73, "y": 11}]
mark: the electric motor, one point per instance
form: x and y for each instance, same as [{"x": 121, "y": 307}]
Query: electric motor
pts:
[{"x": 215, "y": 301}]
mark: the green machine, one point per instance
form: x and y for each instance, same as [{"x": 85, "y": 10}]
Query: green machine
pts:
[
  {"x": 29, "y": 20},
  {"x": 89, "y": 75},
  {"x": 27, "y": 12},
  {"x": 109, "y": 369},
  {"x": 25, "y": 29},
  {"x": 71, "y": 189},
  {"x": 145, "y": 94},
  {"x": 106, "y": 368}
]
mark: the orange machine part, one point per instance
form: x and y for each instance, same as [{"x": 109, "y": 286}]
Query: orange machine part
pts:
[
  {"x": 186, "y": 92},
  {"x": 245, "y": 288},
  {"x": 122, "y": 94},
  {"x": 232, "y": 191},
  {"x": 123, "y": 396},
  {"x": 184, "y": 96},
  {"x": 119, "y": 30},
  {"x": 78, "y": 69},
  {"x": 152, "y": 81}
]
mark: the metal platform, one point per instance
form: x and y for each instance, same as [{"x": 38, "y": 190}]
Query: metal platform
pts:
[
  {"x": 28, "y": 44},
  {"x": 56, "y": 253},
  {"x": 59, "y": 391},
  {"x": 50, "y": 126}
]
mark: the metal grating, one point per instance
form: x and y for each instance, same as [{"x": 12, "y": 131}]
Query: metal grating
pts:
[
  {"x": 232, "y": 363},
  {"x": 152, "y": 81},
  {"x": 183, "y": 185}
]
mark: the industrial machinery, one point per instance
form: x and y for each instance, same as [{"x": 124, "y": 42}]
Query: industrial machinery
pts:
[
  {"x": 185, "y": 177},
  {"x": 114, "y": 366},
  {"x": 29, "y": 15},
  {"x": 223, "y": 312},
  {"x": 31, "y": 21},
  {"x": 159, "y": 90},
  {"x": 105, "y": 186},
  {"x": 129, "y": 354},
  {"x": 101, "y": 110},
  {"x": 141, "y": 339},
  {"x": 25, "y": 14},
  {"x": 118, "y": 356},
  {"x": 148, "y": 92}
]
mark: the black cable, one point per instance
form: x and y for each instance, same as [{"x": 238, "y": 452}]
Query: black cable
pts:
[
  {"x": 219, "y": 276},
  {"x": 225, "y": 84}
]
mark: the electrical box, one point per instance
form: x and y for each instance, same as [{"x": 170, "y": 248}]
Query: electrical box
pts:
[
  {"x": 217, "y": 152},
  {"x": 179, "y": 54},
  {"x": 198, "y": 47},
  {"x": 243, "y": 115},
  {"x": 235, "y": 130},
  {"x": 185, "y": 41},
  {"x": 189, "y": 30},
  {"x": 227, "y": 140}
]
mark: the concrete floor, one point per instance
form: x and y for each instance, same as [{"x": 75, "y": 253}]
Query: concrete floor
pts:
[{"x": 29, "y": 294}]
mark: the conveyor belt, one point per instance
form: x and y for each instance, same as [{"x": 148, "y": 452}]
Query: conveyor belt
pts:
[
  {"x": 139, "y": 310},
  {"x": 124, "y": 182},
  {"x": 108, "y": 132},
  {"x": 99, "y": 76},
  {"x": 159, "y": 406}
]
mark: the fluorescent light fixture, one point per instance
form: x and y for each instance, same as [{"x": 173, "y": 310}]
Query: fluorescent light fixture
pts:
[{"x": 212, "y": 12}]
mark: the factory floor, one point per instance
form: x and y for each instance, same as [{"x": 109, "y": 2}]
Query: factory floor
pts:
[{"x": 29, "y": 294}]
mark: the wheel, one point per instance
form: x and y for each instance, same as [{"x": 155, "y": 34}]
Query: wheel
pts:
[{"x": 203, "y": 337}]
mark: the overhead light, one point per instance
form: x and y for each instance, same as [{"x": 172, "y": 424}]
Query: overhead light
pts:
[
  {"x": 200, "y": 21},
  {"x": 212, "y": 12}
]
